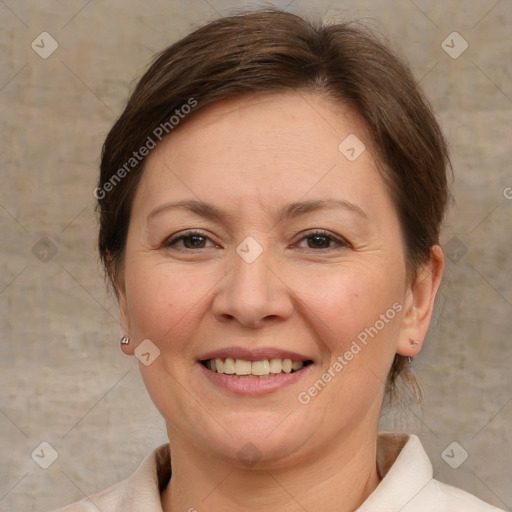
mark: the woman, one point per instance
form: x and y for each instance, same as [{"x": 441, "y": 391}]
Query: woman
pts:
[{"x": 270, "y": 204}]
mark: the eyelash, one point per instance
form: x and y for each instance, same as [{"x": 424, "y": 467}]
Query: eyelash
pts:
[{"x": 308, "y": 235}]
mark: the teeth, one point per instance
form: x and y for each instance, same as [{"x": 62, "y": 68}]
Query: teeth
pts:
[
  {"x": 263, "y": 368},
  {"x": 219, "y": 363},
  {"x": 243, "y": 367},
  {"x": 275, "y": 366},
  {"x": 229, "y": 366},
  {"x": 297, "y": 365},
  {"x": 260, "y": 367}
]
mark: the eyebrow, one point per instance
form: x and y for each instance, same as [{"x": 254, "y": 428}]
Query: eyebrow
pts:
[{"x": 289, "y": 211}]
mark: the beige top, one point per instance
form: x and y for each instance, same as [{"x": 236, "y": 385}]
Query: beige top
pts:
[{"x": 407, "y": 484}]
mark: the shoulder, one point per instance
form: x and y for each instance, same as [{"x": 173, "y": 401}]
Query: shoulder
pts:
[
  {"x": 106, "y": 501},
  {"x": 140, "y": 491},
  {"x": 442, "y": 497},
  {"x": 408, "y": 483}
]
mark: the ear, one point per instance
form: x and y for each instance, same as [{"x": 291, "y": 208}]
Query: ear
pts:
[
  {"x": 124, "y": 321},
  {"x": 116, "y": 280},
  {"x": 419, "y": 304}
]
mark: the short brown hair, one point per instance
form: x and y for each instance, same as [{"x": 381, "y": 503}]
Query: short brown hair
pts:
[{"x": 270, "y": 51}]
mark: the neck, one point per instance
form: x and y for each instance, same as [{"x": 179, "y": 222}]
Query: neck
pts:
[{"x": 333, "y": 479}]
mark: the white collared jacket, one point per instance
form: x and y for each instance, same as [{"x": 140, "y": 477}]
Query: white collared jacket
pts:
[{"x": 407, "y": 484}]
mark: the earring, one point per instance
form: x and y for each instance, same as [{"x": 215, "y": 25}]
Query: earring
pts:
[
  {"x": 414, "y": 343},
  {"x": 125, "y": 340}
]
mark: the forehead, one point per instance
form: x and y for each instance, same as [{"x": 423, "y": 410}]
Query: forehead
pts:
[
  {"x": 254, "y": 120},
  {"x": 265, "y": 148}
]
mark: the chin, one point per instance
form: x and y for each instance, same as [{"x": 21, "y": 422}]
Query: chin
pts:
[{"x": 256, "y": 440}]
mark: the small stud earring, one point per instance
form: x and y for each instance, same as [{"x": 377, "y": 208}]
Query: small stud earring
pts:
[
  {"x": 414, "y": 343},
  {"x": 125, "y": 340}
]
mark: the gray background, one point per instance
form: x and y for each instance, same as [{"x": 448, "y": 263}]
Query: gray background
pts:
[{"x": 63, "y": 379}]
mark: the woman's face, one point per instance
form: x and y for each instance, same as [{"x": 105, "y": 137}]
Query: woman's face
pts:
[{"x": 296, "y": 254}]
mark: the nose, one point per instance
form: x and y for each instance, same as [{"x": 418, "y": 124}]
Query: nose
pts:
[{"x": 253, "y": 294}]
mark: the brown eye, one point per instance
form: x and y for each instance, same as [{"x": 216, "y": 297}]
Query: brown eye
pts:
[
  {"x": 191, "y": 240},
  {"x": 319, "y": 242},
  {"x": 322, "y": 240}
]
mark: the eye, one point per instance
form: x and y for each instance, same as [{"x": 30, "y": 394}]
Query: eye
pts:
[
  {"x": 315, "y": 239},
  {"x": 191, "y": 239},
  {"x": 321, "y": 239}
]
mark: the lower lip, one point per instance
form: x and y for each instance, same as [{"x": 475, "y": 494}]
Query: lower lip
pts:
[{"x": 254, "y": 386}]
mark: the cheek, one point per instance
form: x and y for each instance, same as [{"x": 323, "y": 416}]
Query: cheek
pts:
[
  {"x": 343, "y": 302},
  {"x": 162, "y": 300}
]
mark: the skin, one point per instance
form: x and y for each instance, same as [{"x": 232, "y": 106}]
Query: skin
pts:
[{"x": 251, "y": 156}]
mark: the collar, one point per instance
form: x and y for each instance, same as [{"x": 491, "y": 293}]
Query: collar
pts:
[{"x": 406, "y": 471}]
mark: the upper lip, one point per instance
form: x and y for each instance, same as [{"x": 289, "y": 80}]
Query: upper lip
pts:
[{"x": 255, "y": 354}]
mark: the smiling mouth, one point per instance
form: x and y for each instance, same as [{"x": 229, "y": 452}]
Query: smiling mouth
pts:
[{"x": 258, "y": 369}]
